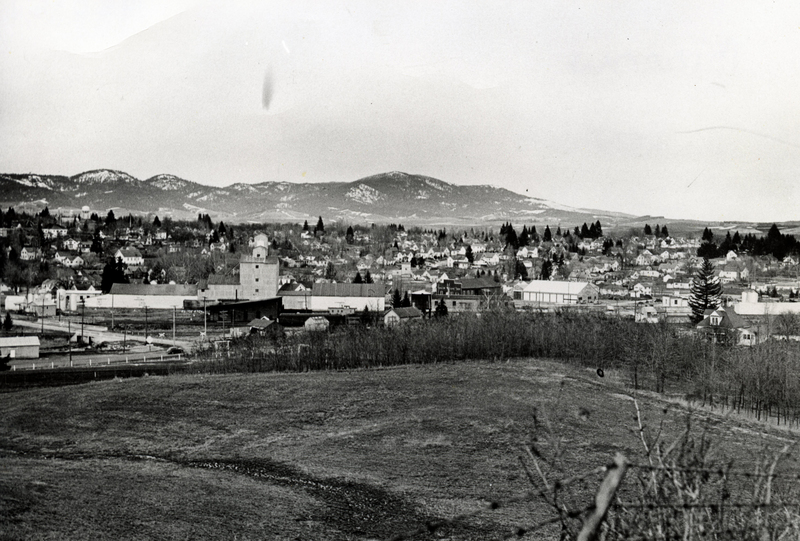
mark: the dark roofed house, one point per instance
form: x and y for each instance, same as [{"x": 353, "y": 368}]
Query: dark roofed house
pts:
[
  {"x": 266, "y": 327},
  {"x": 395, "y": 316},
  {"x": 726, "y": 326}
]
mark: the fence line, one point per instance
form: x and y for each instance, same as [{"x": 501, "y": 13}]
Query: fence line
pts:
[{"x": 108, "y": 361}]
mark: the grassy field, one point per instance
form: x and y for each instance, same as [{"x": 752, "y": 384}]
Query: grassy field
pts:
[{"x": 362, "y": 454}]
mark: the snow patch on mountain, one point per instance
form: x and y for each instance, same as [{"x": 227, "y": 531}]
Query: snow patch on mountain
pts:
[
  {"x": 33, "y": 181},
  {"x": 365, "y": 194},
  {"x": 102, "y": 176},
  {"x": 169, "y": 183},
  {"x": 436, "y": 185}
]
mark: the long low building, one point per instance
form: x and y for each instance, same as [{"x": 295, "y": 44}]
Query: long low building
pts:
[
  {"x": 19, "y": 347},
  {"x": 356, "y": 296},
  {"x": 153, "y": 296},
  {"x": 559, "y": 292}
]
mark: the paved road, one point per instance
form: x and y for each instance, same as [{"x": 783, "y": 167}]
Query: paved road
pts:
[{"x": 106, "y": 336}]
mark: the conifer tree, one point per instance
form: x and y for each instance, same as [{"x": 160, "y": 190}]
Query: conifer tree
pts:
[
  {"x": 548, "y": 236},
  {"x": 358, "y": 279},
  {"x": 706, "y": 291},
  {"x": 396, "y": 299},
  {"x": 368, "y": 278},
  {"x": 647, "y": 229},
  {"x": 547, "y": 270}
]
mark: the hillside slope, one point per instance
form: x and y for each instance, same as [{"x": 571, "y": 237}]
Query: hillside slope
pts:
[{"x": 330, "y": 455}]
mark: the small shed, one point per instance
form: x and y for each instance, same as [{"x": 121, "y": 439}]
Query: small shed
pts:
[
  {"x": 317, "y": 323},
  {"x": 19, "y": 347}
]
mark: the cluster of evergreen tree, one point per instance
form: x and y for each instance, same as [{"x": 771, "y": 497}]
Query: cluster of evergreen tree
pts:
[
  {"x": 774, "y": 243},
  {"x": 366, "y": 279},
  {"x": 525, "y": 238},
  {"x": 204, "y": 222},
  {"x": 400, "y": 302},
  {"x": 595, "y": 231},
  {"x": 113, "y": 273},
  {"x": 659, "y": 231}
]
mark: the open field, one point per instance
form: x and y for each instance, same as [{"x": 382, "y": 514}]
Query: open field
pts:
[{"x": 358, "y": 454}]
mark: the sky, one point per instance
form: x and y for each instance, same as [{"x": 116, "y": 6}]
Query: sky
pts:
[{"x": 671, "y": 108}]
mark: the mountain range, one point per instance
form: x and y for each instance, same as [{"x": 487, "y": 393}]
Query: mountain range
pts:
[{"x": 393, "y": 197}]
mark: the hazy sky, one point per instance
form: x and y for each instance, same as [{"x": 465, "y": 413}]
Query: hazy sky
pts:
[{"x": 682, "y": 109}]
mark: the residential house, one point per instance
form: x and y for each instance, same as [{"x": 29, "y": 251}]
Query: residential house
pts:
[
  {"x": 733, "y": 272},
  {"x": 72, "y": 245},
  {"x": 130, "y": 256},
  {"x": 641, "y": 290},
  {"x": 396, "y": 316},
  {"x": 726, "y": 326},
  {"x": 30, "y": 253},
  {"x": 54, "y": 231}
]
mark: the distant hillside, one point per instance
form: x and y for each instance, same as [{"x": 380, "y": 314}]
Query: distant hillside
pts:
[{"x": 387, "y": 197}]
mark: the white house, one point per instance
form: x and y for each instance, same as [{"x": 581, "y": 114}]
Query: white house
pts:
[
  {"x": 641, "y": 289},
  {"x": 130, "y": 256},
  {"x": 29, "y": 253}
]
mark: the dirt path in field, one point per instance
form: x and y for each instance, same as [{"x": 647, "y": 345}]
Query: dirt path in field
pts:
[{"x": 357, "y": 510}]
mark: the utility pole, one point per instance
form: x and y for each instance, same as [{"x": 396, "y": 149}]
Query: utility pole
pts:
[
  {"x": 83, "y": 315},
  {"x": 174, "y": 309},
  {"x": 145, "y": 328},
  {"x": 205, "y": 320}
]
